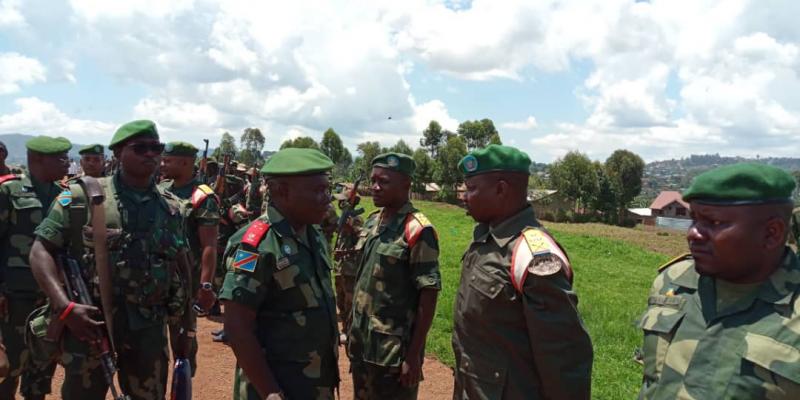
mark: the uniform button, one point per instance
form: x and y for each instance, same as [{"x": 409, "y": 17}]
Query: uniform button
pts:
[
  {"x": 466, "y": 364},
  {"x": 472, "y": 277},
  {"x": 492, "y": 289},
  {"x": 496, "y": 374}
]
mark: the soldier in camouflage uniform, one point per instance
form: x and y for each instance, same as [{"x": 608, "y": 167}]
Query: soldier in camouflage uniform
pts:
[
  {"x": 795, "y": 227},
  {"x": 145, "y": 235},
  {"x": 200, "y": 210},
  {"x": 23, "y": 202},
  {"x": 92, "y": 160},
  {"x": 517, "y": 332},
  {"x": 279, "y": 308},
  {"x": 396, "y": 287},
  {"x": 346, "y": 263},
  {"x": 724, "y": 322}
]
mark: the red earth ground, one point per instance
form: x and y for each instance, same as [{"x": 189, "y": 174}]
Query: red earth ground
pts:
[{"x": 214, "y": 378}]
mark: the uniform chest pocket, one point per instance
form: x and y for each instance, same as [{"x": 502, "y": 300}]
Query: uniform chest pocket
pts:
[
  {"x": 27, "y": 207},
  {"x": 485, "y": 283},
  {"x": 659, "y": 324},
  {"x": 297, "y": 290},
  {"x": 770, "y": 369},
  {"x": 391, "y": 263}
]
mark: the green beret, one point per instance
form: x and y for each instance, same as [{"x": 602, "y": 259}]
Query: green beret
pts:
[
  {"x": 180, "y": 149},
  {"x": 740, "y": 184},
  {"x": 399, "y": 162},
  {"x": 48, "y": 145},
  {"x": 294, "y": 161},
  {"x": 211, "y": 160},
  {"x": 91, "y": 149},
  {"x": 494, "y": 158},
  {"x": 134, "y": 129}
]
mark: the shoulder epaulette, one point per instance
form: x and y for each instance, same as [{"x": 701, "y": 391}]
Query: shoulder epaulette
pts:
[
  {"x": 200, "y": 194},
  {"x": 532, "y": 243},
  {"x": 9, "y": 177},
  {"x": 255, "y": 233},
  {"x": 415, "y": 223},
  {"x": 675, "y": 261},
  {"x": 64, "y": 198}
]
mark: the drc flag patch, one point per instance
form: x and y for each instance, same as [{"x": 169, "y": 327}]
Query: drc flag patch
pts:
[
  {"x": 64, "y": 198},
  {"x": 245, "y": 260}
]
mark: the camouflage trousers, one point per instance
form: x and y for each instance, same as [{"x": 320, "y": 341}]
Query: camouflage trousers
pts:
[
  {"x": 290, "y": 379},
  {"x": 344, "y": 299},
  {"x": 142, "y": 363},
  {"x": 35, "y": 376},
  {"x": 376, "y": 382},
  {"x": 174, "y": 331}
]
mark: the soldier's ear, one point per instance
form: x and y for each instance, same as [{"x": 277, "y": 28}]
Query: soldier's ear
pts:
[{"x": 775, "y": 232}]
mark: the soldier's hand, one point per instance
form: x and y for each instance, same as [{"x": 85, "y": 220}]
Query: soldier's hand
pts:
[
  {"x": 411, "y": 371},
  {"x": 3, "y": 306},
  {"x": 205, "y": 299},
  {"x": 82, "y": 325}
]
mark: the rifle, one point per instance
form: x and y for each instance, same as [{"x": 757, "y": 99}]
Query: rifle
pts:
[
  {"x": 253, "y": 202},
  {"x": 182, "y": 372},
  {"x": 78, "y": 292},
  {"x": 351, "y": 211},
  {"x": 203, "y": 162},
  {"x": 219, "y": 185}
]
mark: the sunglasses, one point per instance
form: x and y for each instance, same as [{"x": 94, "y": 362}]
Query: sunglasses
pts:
[{"x": 143, "y": 148}]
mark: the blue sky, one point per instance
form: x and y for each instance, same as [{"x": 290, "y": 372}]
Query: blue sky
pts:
[{"x": 664, "y": 78}]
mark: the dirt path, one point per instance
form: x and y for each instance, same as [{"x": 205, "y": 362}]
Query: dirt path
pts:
[{"x": 214, "y": 378}]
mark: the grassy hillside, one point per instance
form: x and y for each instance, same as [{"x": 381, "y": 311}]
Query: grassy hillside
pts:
[{"x": 613, "y": 272}]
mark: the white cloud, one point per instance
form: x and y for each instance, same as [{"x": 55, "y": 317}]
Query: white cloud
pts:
[
  {"x": 526, "y": 125},
  {"x": 173, "y": 115},
  {"x": 10, "y": 15},
  {"x": 37, "y": 117},
  {"x": 16, "y": 70}
]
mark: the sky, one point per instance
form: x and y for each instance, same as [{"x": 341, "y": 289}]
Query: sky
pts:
[{"x": 662, "y": 78}]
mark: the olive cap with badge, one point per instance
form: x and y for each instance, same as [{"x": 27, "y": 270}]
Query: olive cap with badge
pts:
[
  {"x": 295, "y": 161},
  {"x": 399, "y": 162},
  {"x": 495, "y": 158},
  {"x": 741, "y": 184},
  {"x": 95, "y": 148},
  {"x": 48, "y": 145},
  {"x": 180, "y": 149},
  {"x": 134, "y": 129}
]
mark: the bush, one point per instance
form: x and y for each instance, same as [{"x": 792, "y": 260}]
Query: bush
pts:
[{"x": 561, "y": 216}]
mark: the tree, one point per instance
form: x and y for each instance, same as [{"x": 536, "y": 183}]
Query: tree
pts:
[
  {"x": 252, "y": 142},
  {"x": 477, "y": 134},
  {"x": 432, "y": 138},
  {"x": 402, "y": 147},
  {"x": 424, "y": 172},
  {"x": 227, "y": 145},
  {"x": 446, "y": 170},
  {"x": 302, "y": 142},
  {"x": 367, "y": 151},
  {"x": 331, "y": 145},
  {"x": 625, "y": 170},
  {"x": 605, "y": 198},
  {"x": 495, "y": 139},
  {"x": 575, "y": 177}
]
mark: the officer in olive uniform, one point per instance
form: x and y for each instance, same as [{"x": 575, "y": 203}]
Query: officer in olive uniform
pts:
[
  {"x": 280, "y": 314},
  {"x": 346, "y": 267},
  {"x": 722, "y": 322},
  {"x": 517, "y": 332},
  {"x": 23, "y": 202},
  {"x": 396, "y": 287},
  {"x": 200, "y": 209},
  {"x": 93, "y": 160},
  {"x": 145, "y": 235}
]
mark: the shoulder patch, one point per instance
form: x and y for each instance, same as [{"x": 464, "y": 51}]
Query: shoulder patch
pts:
[
  {"x": 536, "y": 252},
  {"x": 200, "y": 194},
  {"x": 9, "y": 177},
  {"x": 674, "y": 261},
  {"x": 245, "y": 260},
  {"x": 255, "y": 233},
  {"x": 64, "y": 198},
  {"x": 415, "y": 223}
]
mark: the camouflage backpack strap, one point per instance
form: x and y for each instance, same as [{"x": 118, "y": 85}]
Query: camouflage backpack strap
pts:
[
  {"x": 416, "y": 222},
  {"x": 9, "y": 177},
  {"x": 682, "y": 257},
  {"x": 246, "y": 257},
  {"x": 74, "y": 200},
  {"x": 535, "y": 251},
  {"x": 201, "y": 193}
]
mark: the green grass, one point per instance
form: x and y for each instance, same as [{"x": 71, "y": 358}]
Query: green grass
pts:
[{"x": 612, "y": 278}]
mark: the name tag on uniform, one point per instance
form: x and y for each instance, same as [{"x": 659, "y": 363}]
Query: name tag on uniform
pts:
[
  {"x": 282, "y": 263},
  {"x": 245, "y": 260}
]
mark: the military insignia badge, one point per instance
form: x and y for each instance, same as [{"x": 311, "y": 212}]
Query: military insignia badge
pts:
[
  {"x": 97, "y": 149},
  {"x": 64, "y": 198},
  {"x": 287, "y": 249},
  {"x": 470, "y": 163},
  {"x": 393, "y": 161},
  {"x": 245, "y": 260}
]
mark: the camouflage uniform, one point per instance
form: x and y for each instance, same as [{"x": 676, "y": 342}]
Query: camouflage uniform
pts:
[
  {"x": 708, "y": 339},
  {"x": 23, "y": 201},
  {"x": 285, "y": 279},
  {"x": 398, "y": 259},
  {"x": 795, "y": 227},
  {"x": 233, "y": 216},
  {"x": 145, "y": 233},
  {"x": 199, "y": 207},
  {"x": 345, "y": 270}
]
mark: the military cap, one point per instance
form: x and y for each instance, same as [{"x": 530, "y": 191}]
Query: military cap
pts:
[
  {"x": 740, "y": 184},
  {"x": 495, "y": 158},
  {"x": 180, "y": 149},
  {"x": 211, "y": 160},
  {"x": 91, "y": 149},
  {"x": 48, "y": 145},
  {"x": 399, "y": 162},
  {"x": 134, "y": 129},
  {"x": 294, "y": 161}
]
